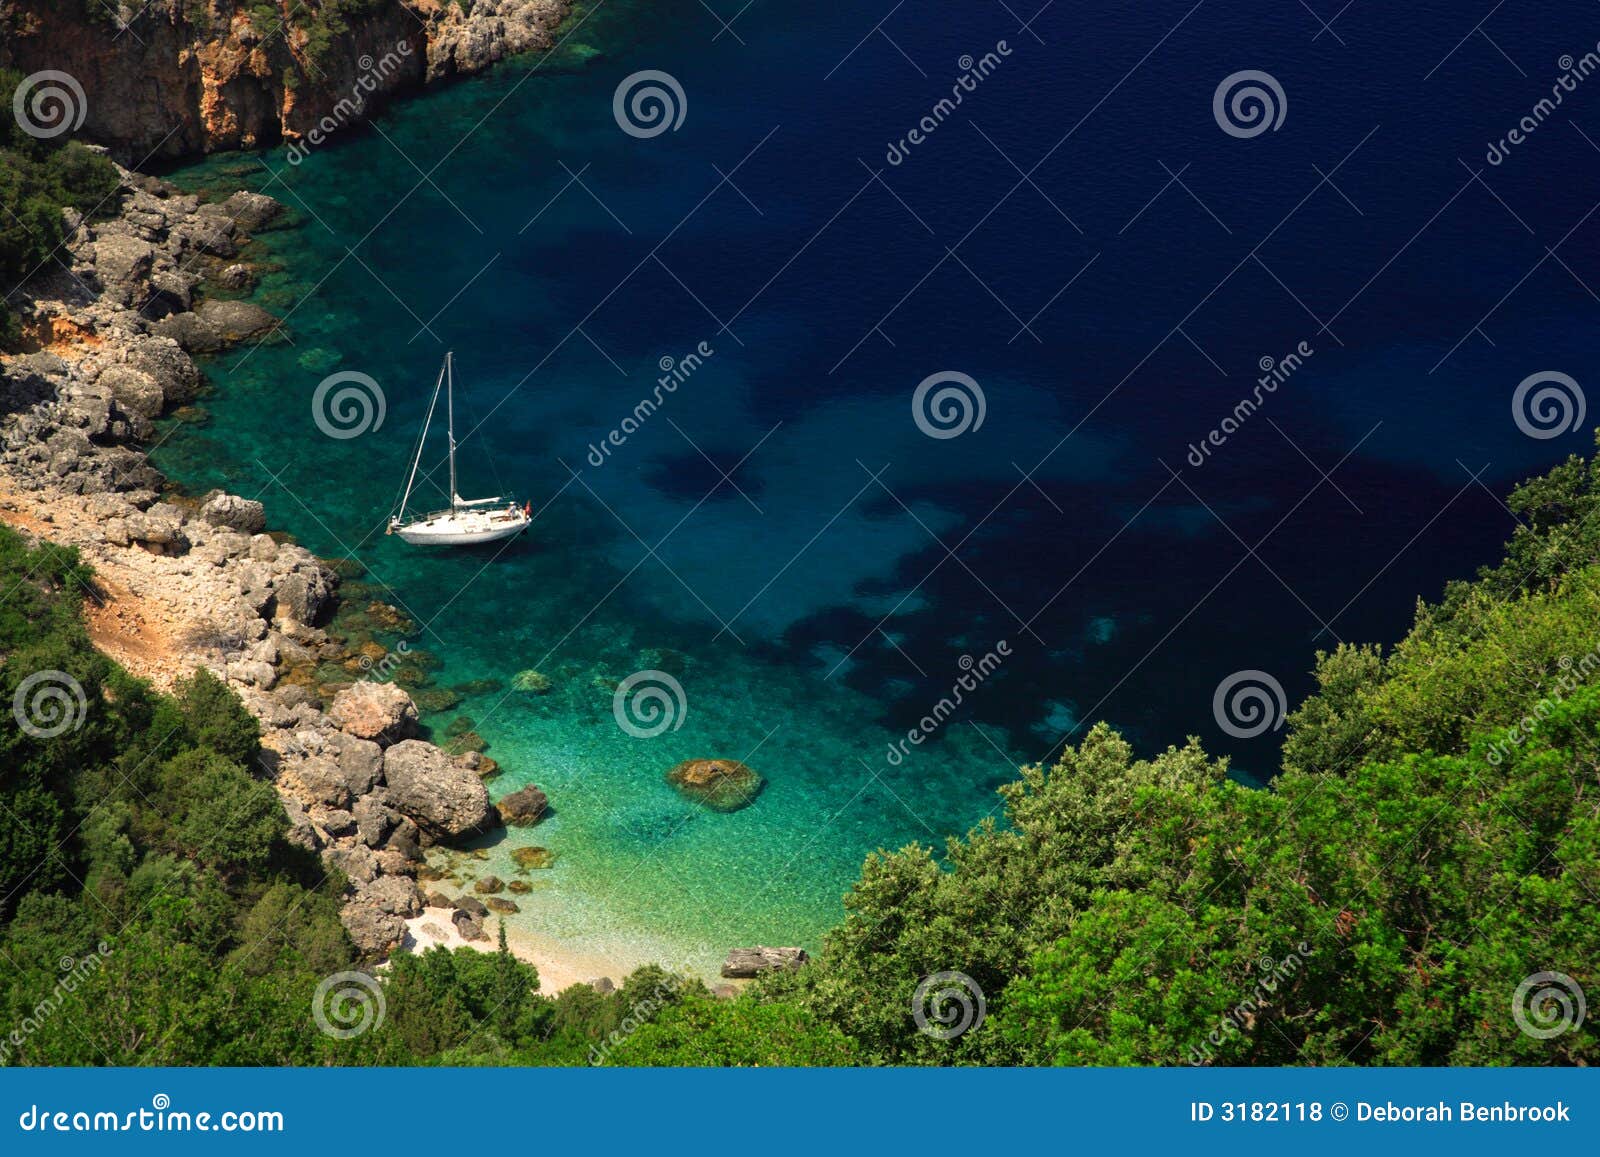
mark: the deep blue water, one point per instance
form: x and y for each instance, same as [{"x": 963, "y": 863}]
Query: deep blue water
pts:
[{"x": 1079, "y": 236}]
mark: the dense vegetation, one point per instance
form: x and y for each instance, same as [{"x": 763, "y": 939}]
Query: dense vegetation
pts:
[
  {"x": 37, "y": 179},
  {"x": 151, "y": 911},
  {"x": 1433, "y": 839}
]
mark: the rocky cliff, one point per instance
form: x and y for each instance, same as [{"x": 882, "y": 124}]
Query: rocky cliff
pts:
[
  {"x": 177, "y": 77},
  {"x": 184, "y": 583}
]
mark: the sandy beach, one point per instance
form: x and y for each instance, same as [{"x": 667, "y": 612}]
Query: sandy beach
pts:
[{"x": 560, "y": 966}]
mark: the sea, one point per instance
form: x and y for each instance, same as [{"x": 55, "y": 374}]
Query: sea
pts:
[{"x": 900, "y": 390}]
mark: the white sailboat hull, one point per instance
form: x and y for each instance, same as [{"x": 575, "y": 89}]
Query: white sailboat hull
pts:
[
  {"x": 467, "y": 521},
  {"x": 463, "y": 528}
]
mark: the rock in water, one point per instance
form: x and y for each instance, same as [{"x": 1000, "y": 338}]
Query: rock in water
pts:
[
  {"x": 380, "y": 712},
  {"x": 534, "y": 857},
  {"x": 444, "y": 799},
  {"x": 251, "y": 211},
  {"x": 723, "y": 785},
  {"x": 236, "y": 320},
  {"x": 744, "y": 963},
  {"x": 522, "y": 808},
  {"x": 532, "y": 681}
]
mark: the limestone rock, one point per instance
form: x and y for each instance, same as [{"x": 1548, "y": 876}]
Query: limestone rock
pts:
[
  {"x": 242, "y": 514},
  {"x": 134, "y": 390},
  {"x": 469, "y": 926},
  {"x": 523, "y": 807},
  {"x": 446, "y": 801},
  {"x": 743, "y": 963},
  {"x": 380, "y": 712},
  {"x": 236, "y": 320},
  {"x": 722, "y": 785}
]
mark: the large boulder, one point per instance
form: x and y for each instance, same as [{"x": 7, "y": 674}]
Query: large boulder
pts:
[
  {"x": 744, "y": 963},
  {"x": 469, "y": 926},
  {"x": 380, "y": 712},
  {"x": 722, "y": 785},
  {"x": 250, "y": 211},
  {"x": 444, "y": 799},
  {"x": 245, "y": 515},
  {"x": 190, "y": 332},
  {"x": 121, "y": 262},
  {"x": 373, "y": 931},
  {"x": 236, "y": 320},
  {"x": 305, "y": 594},
  {"x": 134, "y": 390},
  {"x": 523, "y": 808},
  {"x": 173, "y": 370}
]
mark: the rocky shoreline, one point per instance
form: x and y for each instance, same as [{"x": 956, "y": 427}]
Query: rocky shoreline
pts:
[
  {"x": 181, "y": 77},
  {"x": 188, "y": 583}
]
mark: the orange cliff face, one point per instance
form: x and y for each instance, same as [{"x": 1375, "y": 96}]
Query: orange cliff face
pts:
[{"x": 197, "y": 76}]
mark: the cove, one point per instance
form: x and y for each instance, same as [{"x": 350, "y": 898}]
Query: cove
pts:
[{"x": 782, "y": 536}]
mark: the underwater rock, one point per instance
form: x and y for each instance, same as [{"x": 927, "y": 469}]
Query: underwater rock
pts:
[
  {"x": 534, "y": 858},
  {"x": 723, "y": 785},
  {"x": 468, "y": 742},
  {"x": 523, "y": 807},
  {"x": 435, "y": 699},
  {"x": 489, "y": 884},
  {"x": 501, "y": 906},
  {"x": 533, "y": 682}
]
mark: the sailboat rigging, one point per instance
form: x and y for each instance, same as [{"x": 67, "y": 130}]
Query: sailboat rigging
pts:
[{"x": 467, "y": 520}]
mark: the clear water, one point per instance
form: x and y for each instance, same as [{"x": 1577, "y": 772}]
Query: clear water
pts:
[{"x": 780, "y": 535}]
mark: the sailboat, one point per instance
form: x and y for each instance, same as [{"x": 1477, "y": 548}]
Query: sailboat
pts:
[{"x": 467, "y": 521}]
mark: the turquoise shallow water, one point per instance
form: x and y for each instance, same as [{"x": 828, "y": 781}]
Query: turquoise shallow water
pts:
[
  {"x": 775, "y": 536},
  {"x": 642, "y": 873}
]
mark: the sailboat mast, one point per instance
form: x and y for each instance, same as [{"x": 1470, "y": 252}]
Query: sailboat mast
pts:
[
  {"x": 422, "y": 441},
  {"x": 450, "y": 409}
]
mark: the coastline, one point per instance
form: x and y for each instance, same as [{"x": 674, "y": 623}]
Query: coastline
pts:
[
  {"x": 232, "y": 77},
  {"x": 185, "y": 583},
  {"x": 560, "y": 965}
]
